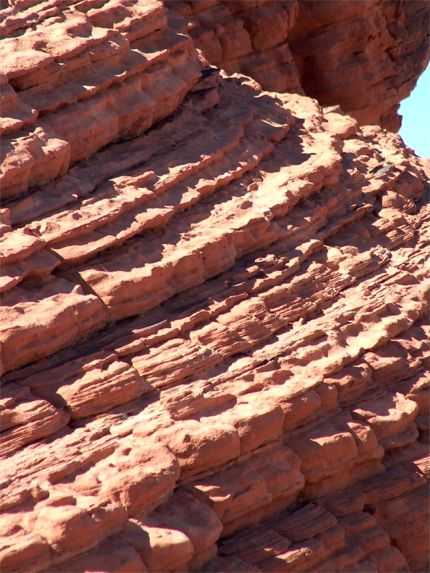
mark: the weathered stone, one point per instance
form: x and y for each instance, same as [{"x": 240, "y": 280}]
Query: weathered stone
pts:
[{"x": 214, "y": 315}]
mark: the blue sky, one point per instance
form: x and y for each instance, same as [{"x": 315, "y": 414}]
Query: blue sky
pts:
[{"x": 415, "y": 110}]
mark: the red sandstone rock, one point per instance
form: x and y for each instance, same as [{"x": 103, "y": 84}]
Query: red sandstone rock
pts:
[
  {"x": 214, "y": 299},
  {"x": 118, "y": 558},
  {"x": 364, "y": 56}
]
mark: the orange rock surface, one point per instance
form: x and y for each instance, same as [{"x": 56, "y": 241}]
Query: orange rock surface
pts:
[
  {"x": 215, "y": 299},
  {"x": 364, "y": 55}
]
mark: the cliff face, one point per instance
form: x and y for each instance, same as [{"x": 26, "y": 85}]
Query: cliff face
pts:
[
  {"x": 214, "y": 320},
  {"x": 364, "y": 55}
]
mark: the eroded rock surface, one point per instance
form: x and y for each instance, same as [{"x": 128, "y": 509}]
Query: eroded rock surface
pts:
[
  {"x": 215, "y": 301},
  {"x": 364, "y": 55}
]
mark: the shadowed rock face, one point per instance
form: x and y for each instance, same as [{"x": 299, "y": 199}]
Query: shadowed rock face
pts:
[
  {"x": 364, "y": 55},
  {"x": 215, "y": 302}
]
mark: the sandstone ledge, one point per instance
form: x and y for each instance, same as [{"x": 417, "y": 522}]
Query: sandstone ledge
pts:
[{"x": 215, "y": 301}]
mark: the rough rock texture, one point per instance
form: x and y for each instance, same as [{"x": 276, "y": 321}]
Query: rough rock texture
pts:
[
  {"x": 214, "y": 320},
  {"x": 364, "y": 55}
]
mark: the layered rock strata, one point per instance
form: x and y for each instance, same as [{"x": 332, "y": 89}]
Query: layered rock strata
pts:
[
  {"x": 215, "y": 301},
  {"x": 364, "y": 55}
]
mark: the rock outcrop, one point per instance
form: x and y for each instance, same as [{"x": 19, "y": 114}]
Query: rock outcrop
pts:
[
  {"x": 214, "y": 320},
  {"x": 364, "y": 55}
]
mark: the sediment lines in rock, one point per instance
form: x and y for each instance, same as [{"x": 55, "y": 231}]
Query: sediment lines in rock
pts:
[
  {"x": 215, "y": 327},
  {"x": 363, "y": 55}
]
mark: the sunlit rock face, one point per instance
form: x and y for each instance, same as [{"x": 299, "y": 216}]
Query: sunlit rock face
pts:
[
  {"x": 214, "y": 298},
  {"x": 364, "y": 55}
]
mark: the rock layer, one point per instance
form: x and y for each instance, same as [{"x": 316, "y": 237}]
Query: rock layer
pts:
[
  {"x": 214, "y": 313},
  {"x": 364, "y": 55}
]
